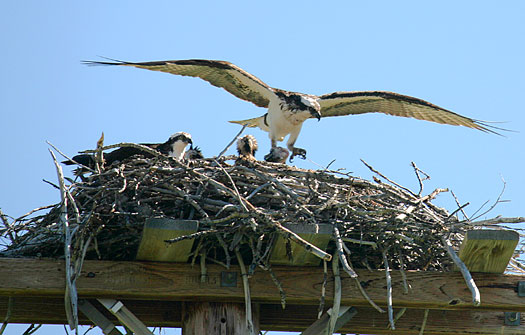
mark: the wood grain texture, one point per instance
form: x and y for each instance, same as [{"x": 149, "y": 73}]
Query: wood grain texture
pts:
[
  {"x": 216, "y": 319},
  {"x": 181, "y": 282},
  {"x": 318, "y": 235},
  {"x": 152, "y": 246},
  {"x": 488, "y": 250},
  {"x": 273, "y": 317}
]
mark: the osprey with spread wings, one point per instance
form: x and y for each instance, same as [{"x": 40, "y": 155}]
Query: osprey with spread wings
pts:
[{"x": 288, "y": 110}]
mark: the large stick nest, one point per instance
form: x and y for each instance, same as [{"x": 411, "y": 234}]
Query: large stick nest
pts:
[{"x": 243, "y": 204}]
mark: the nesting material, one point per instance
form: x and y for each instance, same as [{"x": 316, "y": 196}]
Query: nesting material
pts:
[
  {"x": 241, "y": 205},
  {"x": 249, "y": 212}
]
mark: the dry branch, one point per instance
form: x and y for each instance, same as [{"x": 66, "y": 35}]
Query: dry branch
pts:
[{"x": 476, "y": 298}]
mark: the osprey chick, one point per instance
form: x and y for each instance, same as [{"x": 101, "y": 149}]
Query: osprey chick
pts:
[
  {"x": 173, "y": 147},
  {"x": 288, "y": 110},
  {"x": 193, "y": 154},
  {"x": 246, "y": 147}
]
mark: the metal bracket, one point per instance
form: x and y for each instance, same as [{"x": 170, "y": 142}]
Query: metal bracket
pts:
[
  {"x": 512, "y": 318},
  {"x": 228, "y": 279},
  {"x": 521, "y": 289}
]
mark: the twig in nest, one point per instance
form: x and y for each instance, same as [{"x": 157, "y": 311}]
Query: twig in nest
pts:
[
  {"x": 353, "y": 240},
  {"x": 460, "y": 207},
  {"x": 239, "y": 197},
  {"x": 99, "y": 157},
  {"x": 177, "y": 191},
  {"x": 254, "y": 192},
  {"x": 498, "y": 200},
  {"x": 499, "y": 219},
  {"x": 389, "y": 292},
  {"x": 191, "y": 236},
  {"x": 32, "y": 329},
  {"x": 306, "y": 245},
  {"x": 225, "y": 248},
  {"x": 328, "y": 166},
  {"x": 323, "y": 290},
  {"x": 204, "y": 272},
  {"x": 398, "y": 316},
  {"x": 197, "y": 251},
  {"x": 363, "y": 292},
  {"x": 417, "y": 171},
  {"x": 7, "y": 315},
  {"x": 403, "y": 274},
  {"x": 221, "y": 187},
  {"x": 476, "y": 298},
  {"x": 337, "y": 294},
  {"x": 424, "y": 323},
  {"x": 432, "y": 195},
  {"x": 232, "y": 141},
  {"x": 247, "y": 297},
  {"x": 70, "y": 298},
  {"x": 280, "y": 186},
  {"x": 517, "y": 264},
  {"x": 341, "y": 253},
  {"x": 279, "y": 286},
  {"x": 69, "y": 159},
  {"x": 8, "y": 227},
  {"x": 387, "y": 179}
]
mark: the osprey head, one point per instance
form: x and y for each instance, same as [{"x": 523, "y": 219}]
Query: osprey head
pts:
[
  {"x": 181, "y": 136},
  {"x": 312, "y": 106},
  {"x": 178, "y": 143}
]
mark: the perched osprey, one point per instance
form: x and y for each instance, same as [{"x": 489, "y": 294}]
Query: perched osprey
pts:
[
  {"x": 173, "y": 147},
  {"x": 246, "y": 147},
  {"x": 288, "y": 110}
]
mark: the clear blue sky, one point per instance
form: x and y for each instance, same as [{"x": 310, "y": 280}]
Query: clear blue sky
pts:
[{"x": 466, "y": 56}]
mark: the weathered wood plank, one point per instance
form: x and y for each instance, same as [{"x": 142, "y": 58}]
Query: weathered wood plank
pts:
[
  {"x": 488, "y": 250},
  {"x": 156, "y": 230},
  {"x": 181, "y": 282},
  {"x": 317, "y": 234},
  {"x": 213, "y": 318},
  {"x": 273, "y": 317}
]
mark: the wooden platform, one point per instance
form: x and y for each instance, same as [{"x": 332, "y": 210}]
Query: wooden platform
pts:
[{"x": 153, "y": 291}]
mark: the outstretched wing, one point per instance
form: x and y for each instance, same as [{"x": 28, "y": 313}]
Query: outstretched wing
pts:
[
  {"x": 346, "y": 103},
  {"x": 223, "y": 74}
]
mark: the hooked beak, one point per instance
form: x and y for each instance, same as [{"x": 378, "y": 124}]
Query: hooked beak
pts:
[{"x": 316, "y": 114}]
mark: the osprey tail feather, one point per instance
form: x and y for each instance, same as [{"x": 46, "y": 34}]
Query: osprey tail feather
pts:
[{"x": 255, "y": 122}]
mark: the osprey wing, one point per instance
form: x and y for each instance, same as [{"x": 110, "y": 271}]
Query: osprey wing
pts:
[
  {"x": 223, "y": 74},
  {"x": 346, "y": 103}
]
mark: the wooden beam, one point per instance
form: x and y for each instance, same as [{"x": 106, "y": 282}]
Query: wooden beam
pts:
[
  {"x": 97, "y": 317},
  {"x": 181, "y": 282},
  {"x": 156, "y": 230},
  {"x": 125, "y": 316},
  {"x": 488, "y": 250},
  {"x": 273, "y": 317},
  {"x": 322, "y": 325}
]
